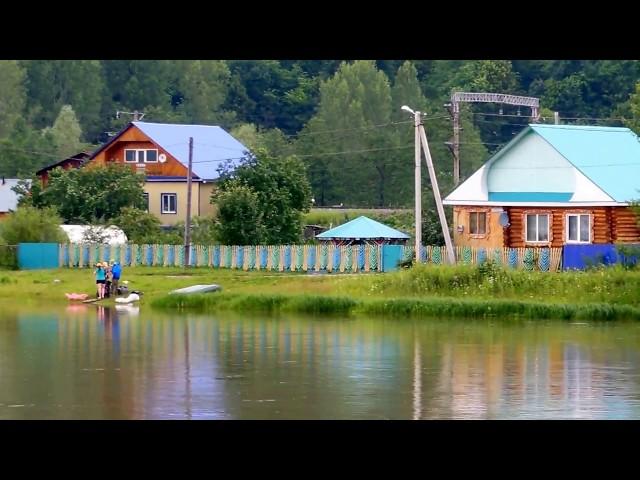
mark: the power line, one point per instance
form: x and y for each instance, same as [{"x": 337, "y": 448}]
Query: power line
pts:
[{"x": 561, "y": 117}]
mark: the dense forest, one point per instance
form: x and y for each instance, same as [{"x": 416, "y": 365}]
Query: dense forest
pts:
[{"x": 343, "y": 119}]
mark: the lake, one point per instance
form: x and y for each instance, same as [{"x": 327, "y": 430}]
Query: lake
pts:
[{"x": 90, "y": 362}]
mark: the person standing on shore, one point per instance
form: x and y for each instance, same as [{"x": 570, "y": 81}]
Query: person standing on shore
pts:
[
  {"x": 101, "y": 277},
  {"x": 116, "y": 270}
]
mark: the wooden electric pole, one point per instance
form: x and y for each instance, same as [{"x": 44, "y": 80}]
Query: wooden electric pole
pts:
[
  {"x": 421, "y": 141},
  {"x": 187, "y": 225},
  {"x": 451, "y": 256}
]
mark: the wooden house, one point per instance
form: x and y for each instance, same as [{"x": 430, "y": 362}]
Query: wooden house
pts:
[
  {"x": 75, "y": 161},
  {"x": 552, "y": 185},
  {"x": 161, "y": 152}
]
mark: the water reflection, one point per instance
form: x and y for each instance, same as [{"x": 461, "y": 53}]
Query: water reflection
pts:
[{"x": 88, "y": 361}]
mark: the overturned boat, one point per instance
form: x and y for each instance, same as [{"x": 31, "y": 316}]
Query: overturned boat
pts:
[{"x": 197, "y": 289}]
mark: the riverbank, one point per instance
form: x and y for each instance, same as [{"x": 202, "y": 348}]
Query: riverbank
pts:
[{"x": 467, "y": 291}]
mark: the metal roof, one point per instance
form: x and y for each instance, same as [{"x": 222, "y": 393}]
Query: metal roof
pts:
[
  {"x": 530, "y": 196},
  {"x": 608, "y": 156},
  {"x": 362, "y": 227},
  {"x": 8, "y": 198},
  {"x": 211, "y": 145}
]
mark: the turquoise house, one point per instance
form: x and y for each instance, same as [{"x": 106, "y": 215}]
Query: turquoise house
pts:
[{"x": 551, "y": 186}]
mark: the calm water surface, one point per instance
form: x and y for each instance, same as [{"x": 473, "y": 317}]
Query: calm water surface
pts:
[{"x": 87, "y": 362}]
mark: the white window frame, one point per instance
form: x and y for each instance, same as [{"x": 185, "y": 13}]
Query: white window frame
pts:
[
  {"x": 137, "y": 150},
  {"x": 146, "y": 196},
  {"x": 526, "y": 228},
  {"x": 162, "y": 197},
  {"x": 567, "y": 240}
]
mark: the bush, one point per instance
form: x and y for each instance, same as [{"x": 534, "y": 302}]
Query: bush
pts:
[{"x": 30, "y": 224}]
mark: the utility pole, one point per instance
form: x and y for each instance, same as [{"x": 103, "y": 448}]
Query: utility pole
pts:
[
  {"x": 466, "y": 97},
  {"x": 418, "y": 187},
  {"x": 456, "y": 142},
  {"x": 451, "y": 256},
  {"x": 187, "y": 225},
  {"x": 421, "y": 141}
]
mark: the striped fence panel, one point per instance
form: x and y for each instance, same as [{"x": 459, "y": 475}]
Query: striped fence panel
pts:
[{"x": 299, "y": 258}]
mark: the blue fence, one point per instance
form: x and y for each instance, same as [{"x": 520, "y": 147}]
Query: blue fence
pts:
[{"x": 33, "y": 256}]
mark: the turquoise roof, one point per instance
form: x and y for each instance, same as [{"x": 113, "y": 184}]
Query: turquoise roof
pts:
[
  {"x": 530, "y": 196},
  {"x": 362, "y": 227},
  {"x": 608, "y": 156}
]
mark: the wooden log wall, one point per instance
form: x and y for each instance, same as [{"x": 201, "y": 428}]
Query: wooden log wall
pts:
[
  {"x": 608, "y": 225},
  {"x": 624, "y": 225}
]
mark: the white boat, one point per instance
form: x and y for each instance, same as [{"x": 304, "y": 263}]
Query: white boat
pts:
[{"x": 197, "y": 289}]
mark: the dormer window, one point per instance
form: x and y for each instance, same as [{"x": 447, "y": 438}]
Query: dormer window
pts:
[{"x": 141, "y": 156}]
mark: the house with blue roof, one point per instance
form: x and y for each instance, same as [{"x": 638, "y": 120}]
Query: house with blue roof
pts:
[
  {"x": 160, "y": 151},
  {"x": 552, "y": 185}
]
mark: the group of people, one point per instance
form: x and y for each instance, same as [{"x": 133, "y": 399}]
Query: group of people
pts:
[{"x": 107, "y": 278}]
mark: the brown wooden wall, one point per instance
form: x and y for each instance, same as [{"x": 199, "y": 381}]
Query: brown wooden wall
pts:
[
  {"x": 134, "y": 138},
  {"x": 609, "y": 225},
  {"x": 624, "y": 224}
]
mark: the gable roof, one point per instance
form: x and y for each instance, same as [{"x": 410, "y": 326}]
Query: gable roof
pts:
[
  {"x": 608, "y": 156},
  {"x": 362, "y": 227},
  {"x": 8, "y": 198},
  {"x": 211, "y": 145},
  {"x": 79, "y": 157},
  {"x": 605, "y": 159}
]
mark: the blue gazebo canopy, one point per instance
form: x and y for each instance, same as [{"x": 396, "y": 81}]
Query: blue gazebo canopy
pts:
[{"x": 362, "y": 228}]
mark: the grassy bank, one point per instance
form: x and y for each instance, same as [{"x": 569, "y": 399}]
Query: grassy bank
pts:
[
  {"x": 420, "y": 291},
  {"x": 399, "y": 307}
]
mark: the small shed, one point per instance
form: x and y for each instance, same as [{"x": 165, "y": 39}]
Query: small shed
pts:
[
  {"x": 363, "y": 230},
  {"x": 111, "y": 235}
]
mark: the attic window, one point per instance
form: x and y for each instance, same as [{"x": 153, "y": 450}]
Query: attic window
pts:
[{"x": 141, "y": 156}]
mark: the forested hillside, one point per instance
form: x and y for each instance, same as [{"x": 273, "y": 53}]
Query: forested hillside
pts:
[{"x": 342, "y": 119}]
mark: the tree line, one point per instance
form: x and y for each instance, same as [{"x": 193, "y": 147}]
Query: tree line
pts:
[{"x": 341, "y": 119}]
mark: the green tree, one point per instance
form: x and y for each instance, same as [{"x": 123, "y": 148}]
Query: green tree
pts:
[
  {"x": 26, "y": 151},
  {"x": 354, "y": 103},
  {"x": 634, "y": 109},
  {"x": 54, "y": 83},
  {"x": 273, "y": 192},
  {"x": 30, "y": 224},
  {"x": 66, "y": 132},
  {"x": 239, "y": 220},
  {"x": 92, "y": 194},
  {"x": 272, "y": 140},
  {"x": 12, "y": 95},
  {"x": 138, "y": 225},
  {"x": 203, "y": 86}
]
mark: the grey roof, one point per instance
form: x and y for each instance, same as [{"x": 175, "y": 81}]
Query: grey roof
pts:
[
  {"x": 211, "y": 145},
  {"x": 8, "y": 198}
]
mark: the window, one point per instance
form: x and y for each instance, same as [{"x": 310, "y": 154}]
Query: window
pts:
[
  {"x": 141, "y": 156},
  {"x": 578, "y": 228},
  {"x": 537, "y": 228},
  {"x": 169, "y": 202},
  {"x": 146, "y": 201},
  {"x": 477, "y": 223}
]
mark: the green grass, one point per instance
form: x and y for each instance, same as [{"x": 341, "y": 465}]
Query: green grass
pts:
[
  {"x": 399, "y": 308},
  {"x": 428, "y": 291},
  {"x": 337, "y": 216}
]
